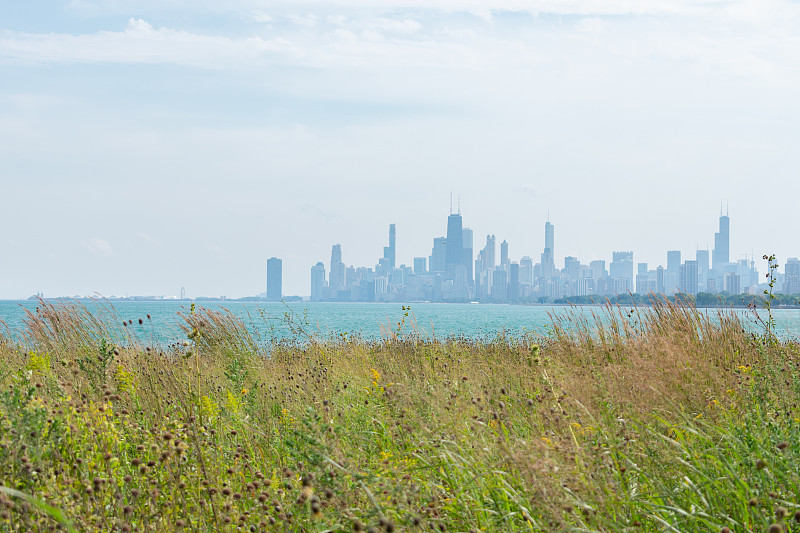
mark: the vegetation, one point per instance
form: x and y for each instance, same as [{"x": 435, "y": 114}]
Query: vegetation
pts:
[
  {"x": 660, "y": 418},
  {"x": 703, "y": 299}
]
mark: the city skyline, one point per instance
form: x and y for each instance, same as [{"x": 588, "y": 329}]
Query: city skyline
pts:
[
  {"x": 148, "y": 146},
  {"x": 447, "y": 274}
]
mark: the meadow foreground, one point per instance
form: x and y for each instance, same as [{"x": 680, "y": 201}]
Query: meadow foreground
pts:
[{"x": 639, "y": 419}]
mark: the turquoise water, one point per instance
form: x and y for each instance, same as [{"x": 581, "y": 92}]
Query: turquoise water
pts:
[{"x": 475, "y": 321}]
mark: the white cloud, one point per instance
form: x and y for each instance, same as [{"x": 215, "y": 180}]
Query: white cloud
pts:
[
  {"x": 402, "y": 27},
  {"x": 261, "y": 17},
  {"x": 98, "y": 246},
  {"x": 140, "y": 42},
  {"x": 307, "y": 21},
  {"x": 146, "y": 237}
]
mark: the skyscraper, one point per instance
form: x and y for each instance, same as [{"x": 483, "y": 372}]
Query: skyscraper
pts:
[
  {"x": 703, "y": 258},
  {"x": 504, "y": 255},
  {"x": 672, "y": 277},
  {"x": 489, "y": 249},
  {"x": 318, "y": 284},
  {"x": 389, "y": 251},
  {"x": 621, "y": 268},
  {"x": 702, "y": 262},
  {"x": 526, "y": 271},
  {"x": 454, "y": 251},
  {"x": 337, "y": 270},
  {"x": 513, "y": 281},
  {"x": 689, "y": 277},
  {"x": 274, "y": 279},
  {"x": 467, "y": 254},
  {"x": 722, "y": 244},
  {"x": 674, "y": 261},
  {"x": 548, "y": 256},
  {"x": 791, "y": 280},
  {"x": 420, "y": 265},
  {"x": 438, "y": 257}
]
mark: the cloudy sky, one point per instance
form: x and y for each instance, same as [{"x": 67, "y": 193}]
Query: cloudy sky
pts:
[{"x": 147, "y": 145}]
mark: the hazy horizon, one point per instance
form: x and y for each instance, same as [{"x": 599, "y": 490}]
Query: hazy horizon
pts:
[{"x": 147, "y": 146}]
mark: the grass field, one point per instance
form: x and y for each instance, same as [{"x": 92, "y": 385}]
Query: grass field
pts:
[{"x": 636, "y": 419}]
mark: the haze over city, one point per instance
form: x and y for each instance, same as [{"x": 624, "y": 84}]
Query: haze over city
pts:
[{"x": 148, "y": 146}]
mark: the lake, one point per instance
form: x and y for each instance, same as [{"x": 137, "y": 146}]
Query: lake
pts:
[{"x": 474, "y": 321}]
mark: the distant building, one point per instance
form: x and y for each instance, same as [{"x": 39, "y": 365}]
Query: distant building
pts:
[
  {"x": 504, "y": 255},
  {"x": 389, "y": 252},
  {"x": 337, "y": 277},
  {"x": 722, "y": 244},
  {"x": 318, "y": 284},
  {"x": 499, "y": 285},
  {"x": 438, "y": 259},
  {"x": 702, "y": 257},
  {"x": 454, "y": 249},
  {"x": 420, "y": 266},
  {"x": 732, "y": 283},
  {"x": 548, "y": 255},
  {"x": 513, "y": 281},
  {"x": 598, "y": 269},
  {"x": 688, "y": 283},
  {"x": 526, "y": 271},
  {"x": 703, "y": 265},
  {"x": 274, "y": 279},
  {"x": 791, "y": 278},
  {"x": 621, "y": 268},
  {"x": 467, "y": 255}
]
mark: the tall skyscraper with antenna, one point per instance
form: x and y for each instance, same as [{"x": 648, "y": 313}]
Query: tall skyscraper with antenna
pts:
[
  {"x": 389, "y": 252},
  {"x": 455, "y": 241},
  {"x": 548, "y": 256},
  {"x": 722, "y": 243}
]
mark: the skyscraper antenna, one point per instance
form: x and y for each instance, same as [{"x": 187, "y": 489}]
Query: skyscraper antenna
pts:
[
  {"x": 548, "y": 215},
  {"x": 451, "y": 201},
  {"x": 459, "y": 203},
  {"x": 727, "y": 209}
]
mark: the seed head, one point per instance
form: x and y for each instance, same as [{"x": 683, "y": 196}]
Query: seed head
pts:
[
  {"x": 783, "y": 445},
  {"x": 775, "y": 528}
]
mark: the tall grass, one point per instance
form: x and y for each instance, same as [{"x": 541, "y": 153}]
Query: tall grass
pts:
[{"x": 626, "y": 419}]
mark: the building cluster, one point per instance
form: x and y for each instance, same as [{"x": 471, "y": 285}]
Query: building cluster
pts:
[{"x": 454, "y": 272}]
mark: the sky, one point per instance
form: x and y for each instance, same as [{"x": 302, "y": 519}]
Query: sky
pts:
[{"x": 149, "y": 145}]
